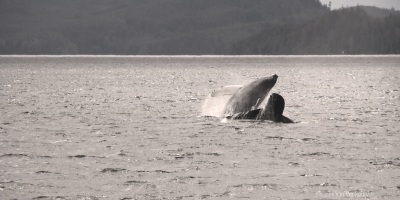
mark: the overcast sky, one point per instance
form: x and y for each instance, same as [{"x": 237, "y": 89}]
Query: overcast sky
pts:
[{"x": 378, "y": 3}]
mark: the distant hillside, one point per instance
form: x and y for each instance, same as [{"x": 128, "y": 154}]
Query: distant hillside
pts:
[
  {"x": 349, "y": 31},
  {"x": 138, "y": 27}
]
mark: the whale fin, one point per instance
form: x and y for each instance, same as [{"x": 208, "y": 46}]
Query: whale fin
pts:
[
  {"x": 286, "y": 120},
  {"x": 215, "y": 103}
]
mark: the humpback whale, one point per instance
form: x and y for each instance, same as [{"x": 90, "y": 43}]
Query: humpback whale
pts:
[{"x": 244, "y": 102}]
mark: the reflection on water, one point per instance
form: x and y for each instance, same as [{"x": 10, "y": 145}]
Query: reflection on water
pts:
[{"x": 130, "y": 128}]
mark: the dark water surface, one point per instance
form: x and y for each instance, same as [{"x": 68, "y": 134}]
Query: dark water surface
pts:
[{"x": 130, "y": 128}]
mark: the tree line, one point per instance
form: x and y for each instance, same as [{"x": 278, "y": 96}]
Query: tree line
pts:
[
  {"x": 137, "y": 27},
  {"x": 191, "y": 27},
  {"x": 344, "y": 31}
]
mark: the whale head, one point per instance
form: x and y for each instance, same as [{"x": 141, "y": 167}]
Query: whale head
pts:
[{"x": 250, "y": 96}]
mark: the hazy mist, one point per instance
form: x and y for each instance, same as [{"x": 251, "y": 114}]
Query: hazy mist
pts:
[{"x": 378, "y": 3}]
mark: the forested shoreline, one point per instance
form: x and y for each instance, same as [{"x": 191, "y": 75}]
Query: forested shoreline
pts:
[
  {"x": 344, "y": 31},
  {"x": 194, "y": 27}
]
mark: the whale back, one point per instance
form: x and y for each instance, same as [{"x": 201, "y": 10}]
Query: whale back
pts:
[{"x": 250, "y": 96}]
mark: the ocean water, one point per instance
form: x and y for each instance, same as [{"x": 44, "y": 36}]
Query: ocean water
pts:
[{"x": 87, "y": 127}]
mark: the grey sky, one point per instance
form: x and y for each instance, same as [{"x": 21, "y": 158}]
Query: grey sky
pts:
[{"x": 378, "y": 3}]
